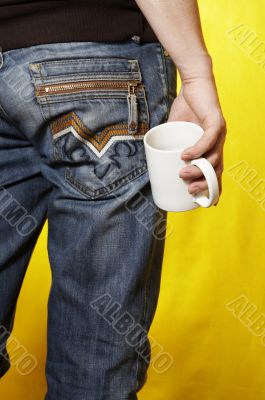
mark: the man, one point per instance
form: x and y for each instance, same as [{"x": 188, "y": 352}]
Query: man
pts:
[{"x": 81, "y": 82}]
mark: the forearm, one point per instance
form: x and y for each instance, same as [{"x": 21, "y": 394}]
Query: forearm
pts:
[{"x": 178, "y": 28}]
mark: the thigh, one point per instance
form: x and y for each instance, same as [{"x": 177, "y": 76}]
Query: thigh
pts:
[{"x": 23, "y": 206}]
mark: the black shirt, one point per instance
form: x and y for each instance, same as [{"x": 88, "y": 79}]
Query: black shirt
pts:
[{"x": 26, "y": 23}]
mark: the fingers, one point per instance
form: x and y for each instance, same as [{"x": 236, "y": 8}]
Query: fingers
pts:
[
  {"x": 213, "y": 133},
  {"x": 209, "y": 146},
  {"x": 204, "y": 144},
  {"x": 214, "y": 155},
  {"x": 199, "y": 185},
  {"x": 193, "y": 172}
]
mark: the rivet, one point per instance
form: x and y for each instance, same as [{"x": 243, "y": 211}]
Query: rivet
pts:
[{"x": 132, "y": 124}]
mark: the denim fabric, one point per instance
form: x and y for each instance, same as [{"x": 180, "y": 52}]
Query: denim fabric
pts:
[{"x": 71, "y": 151}]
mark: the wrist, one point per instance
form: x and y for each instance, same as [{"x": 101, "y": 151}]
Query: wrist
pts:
[{"x": 195, "y": 66}]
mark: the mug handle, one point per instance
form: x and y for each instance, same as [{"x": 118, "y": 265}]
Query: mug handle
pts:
[{"x": 211, "y": 179}]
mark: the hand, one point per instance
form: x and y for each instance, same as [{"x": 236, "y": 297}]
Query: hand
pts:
[{"x": 198, "y": 102}]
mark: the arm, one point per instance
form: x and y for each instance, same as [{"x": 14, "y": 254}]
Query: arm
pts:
[{"x": 177, "y": 26}]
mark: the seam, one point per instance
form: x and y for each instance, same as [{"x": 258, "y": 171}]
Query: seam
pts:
[
  {"x": 65, "y": 77},
  {"x": 171, "y": 77},
  {"x": 143, "y": 324},
  {"x": 41, "y": 109},
  {"x": 42, "y": 81},
  {"x": 98, "y": 141},
  {"x": 11, "y": 121},
  {"x": 91, "y": 73},
  {"x": 105, "y": 190},
  {"x": 54, "y": 150},
  {"x": 144, "y": 318},
  {"x": 147, "y": 297},
  {"x": 36, "y": 98},
  {"x": 5, "y": 115},
  {"x": 146, "y": 106},
  {"x": 89, "y": 60},
  {"x": 58, "y": 98},
  {"x": 166, "y": 79}
]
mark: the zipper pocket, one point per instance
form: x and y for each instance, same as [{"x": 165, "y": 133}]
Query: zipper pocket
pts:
[{"x": 72, "y": 87}]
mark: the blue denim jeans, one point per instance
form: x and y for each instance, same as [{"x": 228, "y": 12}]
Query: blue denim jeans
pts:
[{"x": 72, "y": 121}]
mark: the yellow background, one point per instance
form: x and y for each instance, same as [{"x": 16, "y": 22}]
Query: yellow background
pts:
[{"x": 212, "y": 257}]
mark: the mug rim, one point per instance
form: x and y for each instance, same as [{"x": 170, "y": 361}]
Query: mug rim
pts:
[{"x": 168, "y": 123}]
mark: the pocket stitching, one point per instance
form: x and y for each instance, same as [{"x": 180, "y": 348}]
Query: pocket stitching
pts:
[
  {"x": 166, "y": 79},
  {"x": 94, "y": 194},
  {"x": 85, "y": 96}
]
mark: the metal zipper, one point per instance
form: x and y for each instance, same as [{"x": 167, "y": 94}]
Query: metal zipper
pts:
[
  {"x": 71, "y": 87},
  {"x": 133, "y": 109}
]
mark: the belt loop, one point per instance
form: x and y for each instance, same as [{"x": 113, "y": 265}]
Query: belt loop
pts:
[{"x": 1, "y": 58}]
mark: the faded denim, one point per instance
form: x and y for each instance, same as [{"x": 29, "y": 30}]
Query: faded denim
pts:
[{"x": 73, "y": 154}]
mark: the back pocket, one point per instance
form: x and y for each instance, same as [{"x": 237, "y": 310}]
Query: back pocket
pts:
[{"x": 97, "y": 112}]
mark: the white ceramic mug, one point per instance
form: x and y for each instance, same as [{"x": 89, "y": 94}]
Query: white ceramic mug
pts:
[{"x": 163, "y": 147}]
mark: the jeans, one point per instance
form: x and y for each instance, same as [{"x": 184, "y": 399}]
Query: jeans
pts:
[{"x": 72, "y": 121}]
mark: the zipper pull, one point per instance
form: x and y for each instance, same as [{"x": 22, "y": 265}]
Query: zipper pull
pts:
[{"x": 133, "y": 109}]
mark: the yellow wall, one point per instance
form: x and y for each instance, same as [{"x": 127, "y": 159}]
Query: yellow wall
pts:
[{"x": 212, "y": 258}]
